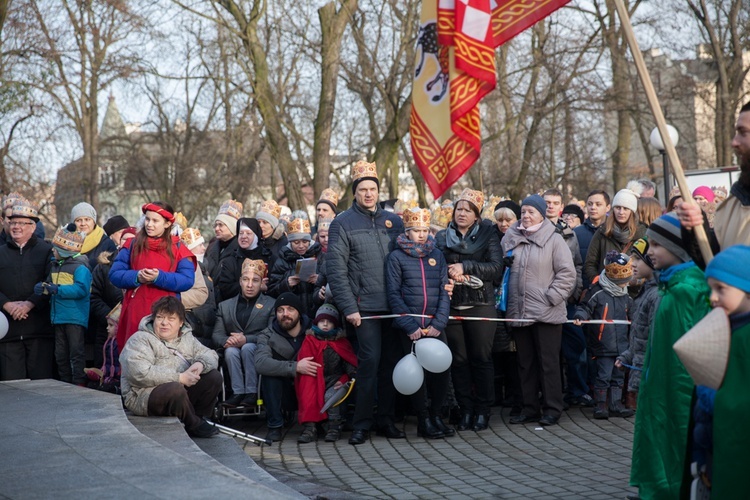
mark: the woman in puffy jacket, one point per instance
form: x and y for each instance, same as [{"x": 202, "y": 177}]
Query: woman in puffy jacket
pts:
[
  {"x": 416, "y": 275},
  {"x": 150, "y": 266},
  {"x": 472, "y": 251},
  {"x": 542, "y": 276}
]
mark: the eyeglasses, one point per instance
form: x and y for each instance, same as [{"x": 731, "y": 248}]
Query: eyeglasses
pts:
[{"x": 20, "y": 224}]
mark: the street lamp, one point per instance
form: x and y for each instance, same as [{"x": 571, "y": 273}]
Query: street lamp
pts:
[{"x": 657, "y": 143}]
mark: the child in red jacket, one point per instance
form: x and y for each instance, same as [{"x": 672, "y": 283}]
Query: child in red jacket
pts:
[{"x": 327, "y": 344}]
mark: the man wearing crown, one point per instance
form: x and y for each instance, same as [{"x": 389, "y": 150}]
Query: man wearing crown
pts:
[
  {"x": 360, "y": 239},
  {"x": 27, "y": 350}
]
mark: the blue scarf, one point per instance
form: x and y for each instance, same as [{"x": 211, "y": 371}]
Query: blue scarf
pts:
[{"x": 667, "y": 274}]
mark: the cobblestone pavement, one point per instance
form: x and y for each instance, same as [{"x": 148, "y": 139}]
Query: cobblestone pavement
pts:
[{"x": 579, "y": 458}]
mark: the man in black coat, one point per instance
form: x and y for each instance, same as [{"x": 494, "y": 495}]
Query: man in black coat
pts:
[
  {"x": 359, "y": 241},
  {"x": 27, "y": 350}
]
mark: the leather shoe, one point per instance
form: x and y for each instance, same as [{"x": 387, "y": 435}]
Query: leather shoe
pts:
[
  {"x": 466, "y": 422},
  {"x": 390, "y": 431},
  {"x": 548, "y": 420},
  {"x": 447, "y": 431},
  {"x": 481, "y": 422},
  {"x": 274, "y": 434},
  {"x": 359, "y": 436},
  {"x": 524, "y": 419}
]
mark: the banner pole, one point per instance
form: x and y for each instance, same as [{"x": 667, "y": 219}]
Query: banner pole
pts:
[{"x": 661, "y": 124}]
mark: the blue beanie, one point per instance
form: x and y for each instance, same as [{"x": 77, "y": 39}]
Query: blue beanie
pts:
[
  {"x": 537, "y": 202},
  {"x": 729, "y": 266}
]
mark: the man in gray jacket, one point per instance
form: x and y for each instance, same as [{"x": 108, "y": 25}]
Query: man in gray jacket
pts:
[
  {"x": 358, "y": 244},
  {"x": 276, "y": 360},
  {"x": 238, "y": 322}
]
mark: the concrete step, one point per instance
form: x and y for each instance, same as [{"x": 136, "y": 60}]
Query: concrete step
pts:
[{"x": 62, "y": 441}]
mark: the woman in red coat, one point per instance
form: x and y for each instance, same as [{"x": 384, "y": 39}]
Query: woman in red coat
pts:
[{"x": 152, "y": 265}]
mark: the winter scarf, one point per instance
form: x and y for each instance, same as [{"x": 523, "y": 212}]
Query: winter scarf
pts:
[
  {"x": 413, "y": 249},
  {"x": 610, "y": 287},
  {"x": 92, "y": 239}
]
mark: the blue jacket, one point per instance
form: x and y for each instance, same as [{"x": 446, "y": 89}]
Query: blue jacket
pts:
[
  {"x": 358, "y": 243},
  {"x": 70, "y": 305},
  {"x": 417, "y": 286},
  {"x": 605, "y": 339}
]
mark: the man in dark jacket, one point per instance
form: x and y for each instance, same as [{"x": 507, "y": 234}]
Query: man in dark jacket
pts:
[
  {"x": 8, "y": 201},
  {"x": 276, "y": 360},
  {"x": 597, "y": 207},
  {"x": 359, "y": 241},
  {"x": 27, "y": 350}
]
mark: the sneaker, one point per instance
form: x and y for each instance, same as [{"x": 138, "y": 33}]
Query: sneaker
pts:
[
  {"x": 204, "y": 430},
  {"x": 583, "y": 400},
  {"x": 309, "y": 434}
]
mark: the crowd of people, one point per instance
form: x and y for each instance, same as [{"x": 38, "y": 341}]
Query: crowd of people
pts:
[{"x": 573, "y": 305}]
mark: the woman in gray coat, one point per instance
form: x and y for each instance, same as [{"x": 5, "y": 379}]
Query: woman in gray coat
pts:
[{"x": 542, "y": 276}]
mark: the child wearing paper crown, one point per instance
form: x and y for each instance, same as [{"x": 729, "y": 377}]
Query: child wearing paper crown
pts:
[
  {"x": 666, "y": 388},
  {"x": 327, "y": 344},
  {"x": 283, "y": 276},
  {"x": 416, "y": 275},
  {"x": 608, "y": 299},
  {"x": 644, "y": 309},
  {"x": 726, "y": 451},
  {"x": 69, "y": 287}
]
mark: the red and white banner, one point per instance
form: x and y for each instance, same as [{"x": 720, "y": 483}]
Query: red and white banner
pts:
[{"x": 455, "y": 69}]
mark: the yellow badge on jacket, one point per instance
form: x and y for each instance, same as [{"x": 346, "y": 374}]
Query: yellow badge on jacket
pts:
[
  {"x": 388, "y": 224},
  {"x": 432, "y": 262},
  {"x": 259, "y": 306}
]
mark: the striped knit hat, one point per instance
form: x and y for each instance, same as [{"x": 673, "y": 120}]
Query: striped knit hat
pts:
[{"x": 666, "y": 231}]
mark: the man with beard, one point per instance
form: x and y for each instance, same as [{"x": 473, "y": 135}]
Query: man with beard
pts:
[
  {"x": 732, "y": 219},
  {"x": 276, "y": 360}
]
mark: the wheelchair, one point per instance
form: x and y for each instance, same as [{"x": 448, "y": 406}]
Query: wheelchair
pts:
[{"x": 222, "y": 412}]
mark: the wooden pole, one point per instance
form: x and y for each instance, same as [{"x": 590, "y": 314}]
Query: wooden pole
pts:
[{"x": 661, "y": 124}]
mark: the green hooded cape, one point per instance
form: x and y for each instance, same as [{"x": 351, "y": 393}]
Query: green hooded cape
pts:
[
  {"x": 731, "y": 469},
  {"x": 664, "y": 399}
]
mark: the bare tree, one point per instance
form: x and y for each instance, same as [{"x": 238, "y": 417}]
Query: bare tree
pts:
[
  {"x": 724, "y": 25},
  {"x": 84, "y": 47}
]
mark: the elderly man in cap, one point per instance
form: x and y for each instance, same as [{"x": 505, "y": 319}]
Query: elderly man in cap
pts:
[
  {"x": 8, "y": 201},
  {"x": 28, "y": 348},
  {"x": 358, "y": 244},
  {"x": 276, "y": 360}
]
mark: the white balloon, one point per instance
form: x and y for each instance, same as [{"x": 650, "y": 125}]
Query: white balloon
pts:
[
  {"x": 3, "y": 325},
  {"x": 433, "y": 354},
  {"x": 408, "y": 375}
]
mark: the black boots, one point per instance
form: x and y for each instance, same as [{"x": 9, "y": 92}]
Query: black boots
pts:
[
  {"x": 467, "y": 422},
  {"x": 481, "y": 421},
  {"x": 437, "y": 420},
  {"x": 601, "y": 412},
  {"x": 426, "y": 428}
]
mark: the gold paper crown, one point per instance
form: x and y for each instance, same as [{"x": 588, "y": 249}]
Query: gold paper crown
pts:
[
  {"x": 416, "y": 218},
  {"x": 330, "y": 196},
  {"x": 71, "y": 241},
  {"x": 362, "y": 169},
  {"x": 298, "y": 226},
  {"x": 720, "y": 193},
  {"x": 324, "y": 224},
  {"x": 25, "y": 208},
  {"x": 489, "y": 210},
  {"x": 114, "y": 314},
  {"x": 232, "y": 208},
  {"x": 191, "y": 237},
  {"x": 180, "y": 220},
  {"x": 442, "y": 216},
  {"x": 270, "y": 207},
  {"x": 619, "y": 272},
  {"x": 254, "y": 266},
  {"x": 402, "y": 206},
  {"x": 476, "y": 198},
  {"x": 10, "y": 199}
]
